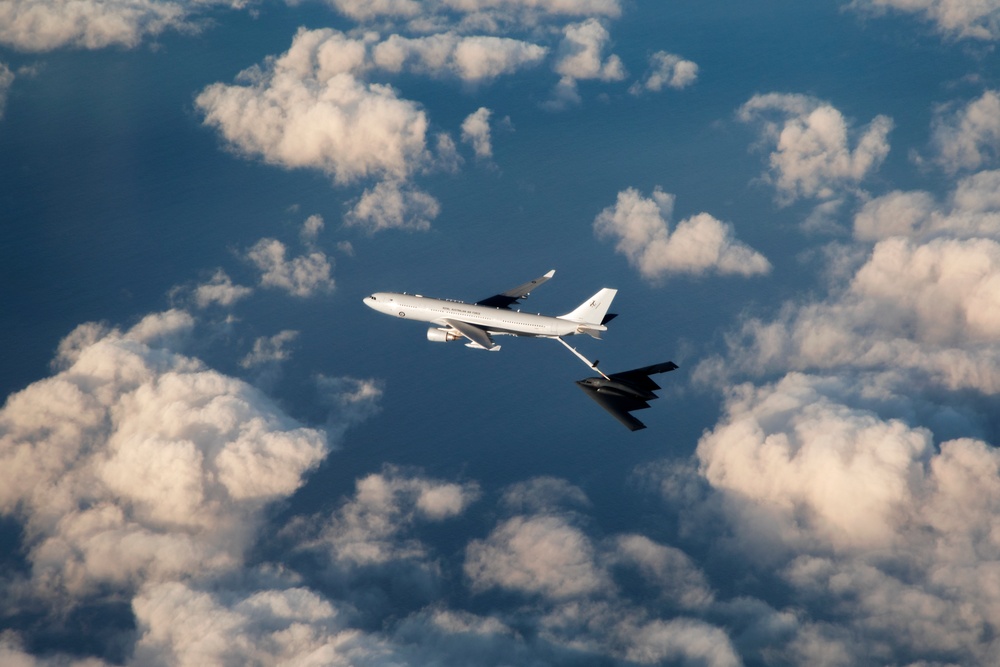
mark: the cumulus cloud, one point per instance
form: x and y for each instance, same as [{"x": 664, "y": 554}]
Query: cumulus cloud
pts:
[
  {"x": 220, "y": 290},
  {"x": 544, "y": 552},
  {"x": 812, "y": 156},
  {"x": 137, "y": 464},
  {"x": 972, "y": 20},
  {"x": 393, "y": 205},
  {"x": 968, "y": 137},
  {"x": 44, "y": 25},
  {"x": 542, "y": 555},
  {"x": 181, "y": 625},
  {"x": 372, "y": 527},
  {"x": 311, "y": 228},
  {"x": 308, "y": 108},
  {"x": 301, "y": 276},
  {"x": 931, "y": 308},
  {"x": 667, "y": 568},
  {"x": 581, "y": 56},
  {"x": 701, "y": 244},
  {"x": 971, "y": 210},
  {"x": 472, "y": 59},
  {"x": 792, "y": 435},
  {"x": 476, "y": 132},
  {"x": 667, "y": 70},
  {"x": 863, "y": 515}
]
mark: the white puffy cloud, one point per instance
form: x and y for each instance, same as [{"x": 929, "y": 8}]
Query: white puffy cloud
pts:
[
  {"x": 864, "y": 516},
  {"x": 473, "y": 59},
  {"x": 931, "y": 308},
  {"x": 640, "y": 226},
  {"x": 311, "y": 228},
  {"x": 812, "y": 156},
  {"x": 972, "y": 210},
  {"x": 137, "y": 464},
  {"x": 180, "y": 625},
  {"x": 300, "y": 276},
  {"x": 667, "y": 568},
  {"x": 542, "y": 555},
  {"x": 371, "y": 528},
  {"x": 667, "y": 69},
  {"x": 308, "y": 108},
  {"x": 581, "y": 56},
  {"x": 686, "y": 640},
  {"x": 393, "y": 205},
  {"x": 580, "y": 53},
  {"x": 799, "y": 466},
  {"x": 973, "y": 20},
  {"x": 220, "y": 290},
  {"x": 967, "y": 137},
  {"x": 44, "y": 25},
  {"x": 476, "y": 132}
]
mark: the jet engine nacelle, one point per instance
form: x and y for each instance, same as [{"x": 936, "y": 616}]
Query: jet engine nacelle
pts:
[{"x": 441, "y": 335}]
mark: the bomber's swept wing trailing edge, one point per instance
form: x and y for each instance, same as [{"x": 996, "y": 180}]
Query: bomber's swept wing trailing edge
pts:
[{"x": 621, "y": 393}]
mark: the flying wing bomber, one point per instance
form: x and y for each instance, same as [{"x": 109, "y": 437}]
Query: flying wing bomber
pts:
[{"x": 621, "y": 393}]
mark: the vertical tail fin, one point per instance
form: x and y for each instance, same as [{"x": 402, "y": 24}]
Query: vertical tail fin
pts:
[{"x": 593, "y": 310}]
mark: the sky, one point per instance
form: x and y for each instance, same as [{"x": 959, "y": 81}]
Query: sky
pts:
[{"x": 212, "y": 453}]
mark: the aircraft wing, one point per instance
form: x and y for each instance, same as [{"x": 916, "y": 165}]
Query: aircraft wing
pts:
[
  {"x": 477, "y": 335},
  {"x": 512, "y": 296},
  {"x": 639, "y": 377},
  {"x": 618, "y": 407},
  {"x": 622, "y": 393}
]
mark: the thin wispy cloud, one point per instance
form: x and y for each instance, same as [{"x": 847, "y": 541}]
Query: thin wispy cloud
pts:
[
  {"x": 476, "y": 132},
  {"x": 963, "y": 20},
  {"x": 666, "y": 70}
]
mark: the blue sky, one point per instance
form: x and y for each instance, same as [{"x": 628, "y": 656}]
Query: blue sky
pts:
[{"x": 212, "y": 453}]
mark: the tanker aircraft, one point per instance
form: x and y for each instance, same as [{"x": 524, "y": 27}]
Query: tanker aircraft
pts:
[{"x": 479, "y": 322}]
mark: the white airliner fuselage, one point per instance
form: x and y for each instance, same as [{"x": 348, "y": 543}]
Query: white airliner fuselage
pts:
[
  {"x": 494, "y": 320},
  {"x": 479, "y": 322}
]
